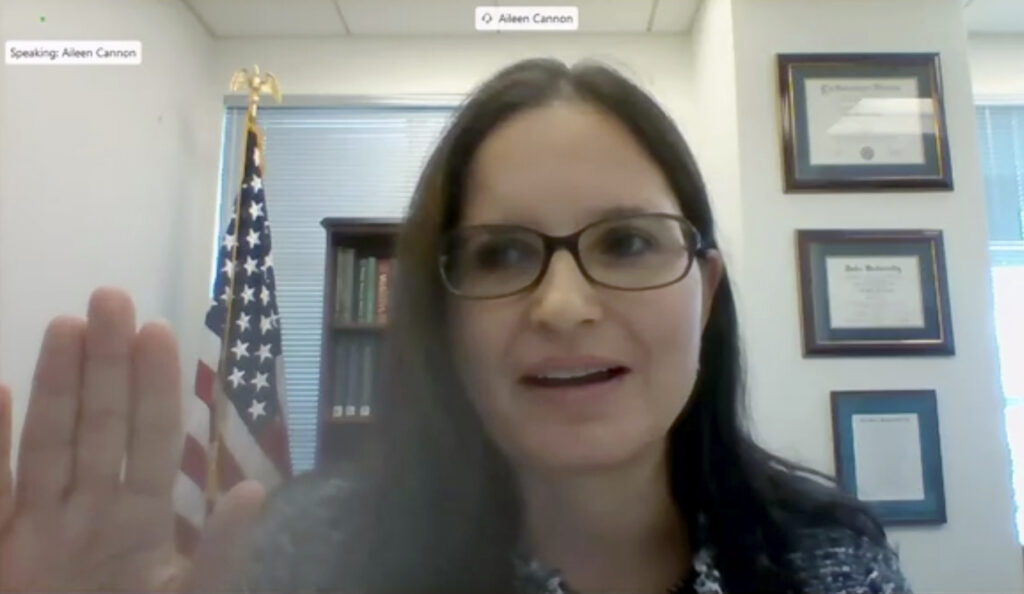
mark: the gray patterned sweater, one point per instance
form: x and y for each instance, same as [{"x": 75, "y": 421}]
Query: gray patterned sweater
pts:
[{"x": 298, "y": 542}]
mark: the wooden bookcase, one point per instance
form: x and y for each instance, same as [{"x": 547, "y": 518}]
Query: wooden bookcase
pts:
[{"x": 356, "y": 277}]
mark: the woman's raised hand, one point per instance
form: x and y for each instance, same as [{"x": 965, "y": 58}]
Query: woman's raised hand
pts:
[{"x": 91, "y": 507}]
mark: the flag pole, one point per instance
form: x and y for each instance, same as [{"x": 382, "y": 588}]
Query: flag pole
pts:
[{"x": 257, "y": 83}]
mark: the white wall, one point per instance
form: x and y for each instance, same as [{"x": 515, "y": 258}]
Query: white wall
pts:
[
  {"x": 976, "y": 551},
  {"x": 109, "y": 175},
  {"x": 716, "y": 141},
  {"x": 997, "y": 66}
]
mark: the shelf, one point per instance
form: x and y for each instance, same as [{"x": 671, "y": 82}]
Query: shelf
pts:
[
  {"x": 343, "y": 441},
  {"x": 351, "y": 420},
  {"x": 360, "y": 326}
]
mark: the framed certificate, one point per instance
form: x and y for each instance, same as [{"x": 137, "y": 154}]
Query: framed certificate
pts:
[
  {"x": 861, "y": 122},
  {"x": 873, "y": 293},
  {"x": 887, "y": 453}
]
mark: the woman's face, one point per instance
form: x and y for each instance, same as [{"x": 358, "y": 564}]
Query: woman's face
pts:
[{"x": 556, "y": 169}]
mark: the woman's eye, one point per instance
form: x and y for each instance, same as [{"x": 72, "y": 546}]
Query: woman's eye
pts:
[
  {"x": 626, "y": 243},
  {"x": 502, "y": 254}
]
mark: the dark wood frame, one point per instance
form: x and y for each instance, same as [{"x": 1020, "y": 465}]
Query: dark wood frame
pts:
[
  {"x": 927, "y": 241},
  {"x": 931, "y": 510},
  {"x": 842, "y": 178},
  {"x": 340, "y": 439}
]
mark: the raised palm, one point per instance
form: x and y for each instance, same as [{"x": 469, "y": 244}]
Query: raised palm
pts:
[{"x": 92, "y": 507}]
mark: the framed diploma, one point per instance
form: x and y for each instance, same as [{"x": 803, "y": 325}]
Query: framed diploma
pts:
[
  {"x": 887, "y": 453},
  {"x": 862, "y": 122},
  {"x": 873, "y": 293}
]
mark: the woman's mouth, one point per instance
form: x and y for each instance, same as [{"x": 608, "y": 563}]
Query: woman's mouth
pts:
[
  {"x": 582, "y": 385},
  {"x": 574, "y": 377}
]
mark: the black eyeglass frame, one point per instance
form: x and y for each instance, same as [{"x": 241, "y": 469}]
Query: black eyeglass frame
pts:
[{"x": 571, "y": 244}]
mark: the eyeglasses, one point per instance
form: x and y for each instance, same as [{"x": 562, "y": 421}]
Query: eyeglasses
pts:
[{"x": 631, "y": 253}]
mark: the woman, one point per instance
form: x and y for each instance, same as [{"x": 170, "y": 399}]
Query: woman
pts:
[{"x": 562, "y": 408}]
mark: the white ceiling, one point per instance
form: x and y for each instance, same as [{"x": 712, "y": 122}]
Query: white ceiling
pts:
[
  {"x": 995, "y": 16},
  {"x": 304, "y": 18}
]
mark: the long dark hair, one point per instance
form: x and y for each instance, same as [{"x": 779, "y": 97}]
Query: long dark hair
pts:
[{"x": 441, "y": 512}]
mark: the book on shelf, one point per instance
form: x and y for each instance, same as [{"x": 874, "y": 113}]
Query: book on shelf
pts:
[
  {"x": 344, "y": 267},
  {"x": 368, "y": 312},
  {"x": 361, "y": 288},
  {"x": 383, "y": 281},
  {"x": 352, "y": 382},
  {"x": 366, "y": 393},
  {"x": 360, "y": 296},
  {"x": 354, "y": 377},
  {"x": 339, "y": 389}
]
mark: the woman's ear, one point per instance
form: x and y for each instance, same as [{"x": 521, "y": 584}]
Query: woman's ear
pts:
[{"x": 711, "y": 271}]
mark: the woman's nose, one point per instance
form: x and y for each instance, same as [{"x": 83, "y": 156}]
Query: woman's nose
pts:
[{"x": 564, "y": 298}]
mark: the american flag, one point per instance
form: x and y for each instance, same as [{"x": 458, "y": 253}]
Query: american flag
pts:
[{"x": 253, "y": 438}]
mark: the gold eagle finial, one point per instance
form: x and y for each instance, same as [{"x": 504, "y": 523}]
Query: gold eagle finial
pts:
[{"x": 256, "y": 83}]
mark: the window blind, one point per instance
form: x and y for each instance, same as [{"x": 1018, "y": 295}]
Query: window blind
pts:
[
  {"x": 1001, "y": 137},
  {"x": 1001, "y": 132},
  {"x": 323, "y": 162}
]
